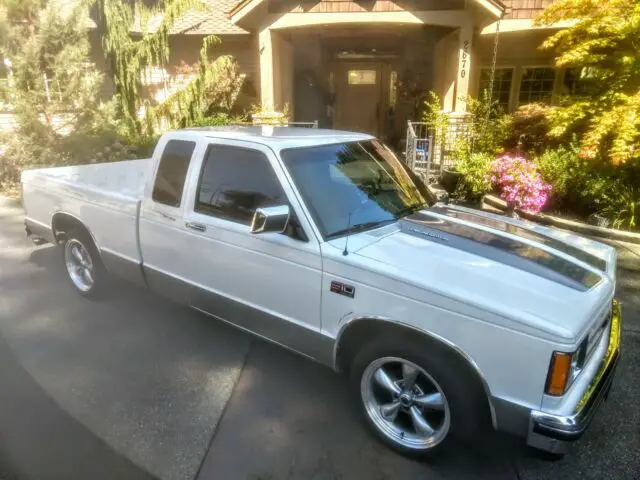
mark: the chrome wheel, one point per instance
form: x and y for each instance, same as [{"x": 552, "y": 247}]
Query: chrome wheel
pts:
[
  {"x": 79, "y": 265},
  {"x": 405, "y": 403}
]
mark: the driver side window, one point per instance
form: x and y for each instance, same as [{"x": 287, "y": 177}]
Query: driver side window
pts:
[{"x": 234, "y": 182}]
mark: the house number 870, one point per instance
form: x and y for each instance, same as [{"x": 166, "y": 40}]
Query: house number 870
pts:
[{"x": 465, "y": 56}]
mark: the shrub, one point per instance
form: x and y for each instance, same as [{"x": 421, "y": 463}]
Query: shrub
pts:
[
  {"x": 622, "y": 205},
  {"x": 570, "y": 176},
  {"x": 519, "y": 182},
  {"x": 530, "y": 126},
  {"x": 483, "y": 130},
  {"x": 489, "y": 126},
  {"x": 217, "y": 120},
  {"x": 615, "y": 193},
  {"x": 475, "y": 179}
]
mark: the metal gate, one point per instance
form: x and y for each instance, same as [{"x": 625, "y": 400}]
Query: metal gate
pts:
[
  {"x": 428, "y": 151},
  {"x": 419, "y": 151}
]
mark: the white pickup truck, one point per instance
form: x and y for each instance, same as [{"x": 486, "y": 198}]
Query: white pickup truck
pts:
[{"x": 448, "y": 320}]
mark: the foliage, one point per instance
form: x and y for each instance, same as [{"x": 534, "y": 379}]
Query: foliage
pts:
[
  {"x": 489, "y": 125},
  {"x": 530, "y": 125},
  {"x": 53, "y": 86},
  {"x": 261, "y": 114},
  {"x": 519, "y": 182},
  {"x": 214, "y": 90},
  {"x": 622, "y": 205},
  {"x": 584, "y": 187},
  {"x": 475, "y": 170},
  {"x": 54, "y": 90},
  {"x": 614, "y": 192},
  {"x": 217, "y": 120},
  {"x": 31, "y": 150},
  {"x": 216, "y": 82},
  {"x": 605, "y": 44},
  {"x": 569, "y": 175},
  {"x": 483, "y": 130},
  {"x": 435, "y": 117}
]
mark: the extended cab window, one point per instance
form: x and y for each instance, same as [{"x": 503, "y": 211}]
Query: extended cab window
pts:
[
  {"x": 235, "y": 182},
  {"x": 172, "y": 172}
]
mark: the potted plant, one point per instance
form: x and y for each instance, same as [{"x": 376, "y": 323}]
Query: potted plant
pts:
[{"x": 450, "y": 178}]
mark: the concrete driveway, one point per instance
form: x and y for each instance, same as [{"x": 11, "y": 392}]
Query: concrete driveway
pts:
[{"x": 139, "y": 388}]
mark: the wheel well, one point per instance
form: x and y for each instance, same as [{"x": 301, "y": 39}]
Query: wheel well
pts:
[
  {"x": 361, "y": 332},
  {"x": 62, "y": 223}
]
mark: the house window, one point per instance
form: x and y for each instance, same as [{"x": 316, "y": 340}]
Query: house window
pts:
[
  {"x": 502, "y": 81},
  {"x": 362, "y": 77},
  {"x": 536, "y": 85}
]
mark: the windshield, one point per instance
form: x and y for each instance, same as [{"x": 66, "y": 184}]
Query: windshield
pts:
[{"x": 353, "y": 186}]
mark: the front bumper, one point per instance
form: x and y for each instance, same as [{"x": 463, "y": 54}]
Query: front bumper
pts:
[{"x": 554, "y": 433}]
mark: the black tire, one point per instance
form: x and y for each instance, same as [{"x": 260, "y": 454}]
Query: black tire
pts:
[
  {"x": 468, "y": 408},
  {"x": 98, "y": 287}
]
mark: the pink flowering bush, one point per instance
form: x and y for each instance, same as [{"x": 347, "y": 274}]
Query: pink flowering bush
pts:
[{"x": 519, "y": 182}]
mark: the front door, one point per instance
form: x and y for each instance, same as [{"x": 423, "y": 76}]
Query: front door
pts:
[
  {"x": 359, "y": 97},
  {"x": 270, "y": 283}
]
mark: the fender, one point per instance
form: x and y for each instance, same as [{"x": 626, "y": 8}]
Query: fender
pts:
[{"x": 352, "y": 319}]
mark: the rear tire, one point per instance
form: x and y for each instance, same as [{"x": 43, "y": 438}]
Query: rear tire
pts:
[
  {"x": 415, "y": 398},
  {"x": 83, "y": 264}
]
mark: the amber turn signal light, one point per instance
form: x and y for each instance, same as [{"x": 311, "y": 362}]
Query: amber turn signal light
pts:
[{"x": 559, "y": 371}]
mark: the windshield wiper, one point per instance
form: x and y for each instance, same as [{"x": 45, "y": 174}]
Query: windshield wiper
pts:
[
  {"x": 409, "y": 209},
  {"x": 359, "y": 227}
]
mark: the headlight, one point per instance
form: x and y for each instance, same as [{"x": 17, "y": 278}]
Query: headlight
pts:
[{"x": 564, "y": 369}]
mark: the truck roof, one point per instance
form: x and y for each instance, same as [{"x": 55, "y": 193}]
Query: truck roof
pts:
[{"x": 280, "y": 138}]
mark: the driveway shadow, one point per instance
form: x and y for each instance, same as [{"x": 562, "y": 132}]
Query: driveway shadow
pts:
[
  {"x": 290, "y": 418},
  {"x": 39, "y": 440},
  {"x": 148, "y": 377}
]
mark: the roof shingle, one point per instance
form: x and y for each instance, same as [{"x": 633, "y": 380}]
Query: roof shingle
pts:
[{"x": 212, "y": 19}]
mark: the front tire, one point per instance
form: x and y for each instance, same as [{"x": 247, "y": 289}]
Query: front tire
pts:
[
  {"x": 415, "y": 398},
  {"x": 83, "y": 264}
]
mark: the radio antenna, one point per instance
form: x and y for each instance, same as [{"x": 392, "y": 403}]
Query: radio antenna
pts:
[{"x": 345, "y": 252}]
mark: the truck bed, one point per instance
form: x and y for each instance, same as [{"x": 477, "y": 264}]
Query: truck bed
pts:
[
  {"x": 125, "y": 178},
  {"x": 106, "y": 196}
]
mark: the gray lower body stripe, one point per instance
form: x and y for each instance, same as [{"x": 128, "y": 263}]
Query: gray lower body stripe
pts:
[
  {"x": 499, "y": 248},
  {"x": 283, "y": 332}
]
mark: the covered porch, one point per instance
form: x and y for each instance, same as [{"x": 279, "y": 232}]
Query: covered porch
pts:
[{"x": 364, "y": 65}]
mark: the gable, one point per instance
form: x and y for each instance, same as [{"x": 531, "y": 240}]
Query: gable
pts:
[
  {"x": 247, "y": 7},
  {"x": 327, "y": 6}
]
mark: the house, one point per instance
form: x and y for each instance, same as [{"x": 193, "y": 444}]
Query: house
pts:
[{"x": 363, "y": 64}]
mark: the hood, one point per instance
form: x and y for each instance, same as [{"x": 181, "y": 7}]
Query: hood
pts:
[{"x": 551, "y": 281}]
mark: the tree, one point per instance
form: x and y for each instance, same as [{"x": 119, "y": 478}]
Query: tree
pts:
[
  {"x": 604, "y": 43},
  {"x": 54, "y": 89},
  {"x": 53, "y": 85},
  {"x": 129, "y": 54}
]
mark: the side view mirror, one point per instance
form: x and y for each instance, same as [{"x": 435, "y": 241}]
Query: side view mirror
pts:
[{"x": 270, "y": 219}]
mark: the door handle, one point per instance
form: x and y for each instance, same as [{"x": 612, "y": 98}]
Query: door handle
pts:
[
  {"x": 167, "y": 216},
  {"x": 198, "y": 227}
]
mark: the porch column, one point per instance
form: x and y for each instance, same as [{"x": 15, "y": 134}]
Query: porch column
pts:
[
  {"x": 276, "y": 71},
  {"x": 465, "y": 44},
  {"x": 446, "y": 70},
  {"x": 265, "y": 49}
]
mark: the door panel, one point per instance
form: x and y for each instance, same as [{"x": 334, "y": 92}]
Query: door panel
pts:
[
  {"x": 359, "y": 97},
  {"x": 161, "y": 227},
  {"x": 267, "y": 283}
]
